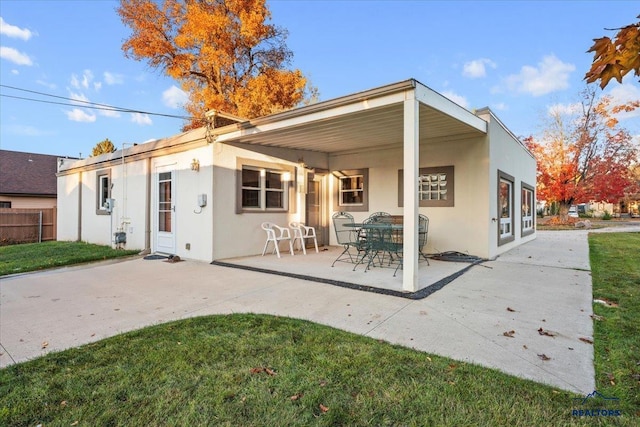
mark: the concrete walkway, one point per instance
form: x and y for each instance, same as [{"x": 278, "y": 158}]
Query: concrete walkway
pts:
[{"x": 543, "y": 284}]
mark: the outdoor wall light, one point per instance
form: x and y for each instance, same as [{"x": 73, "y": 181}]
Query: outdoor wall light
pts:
[{"x": 195, "y": 165}]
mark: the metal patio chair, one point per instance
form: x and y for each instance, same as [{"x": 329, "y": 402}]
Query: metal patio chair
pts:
[
  {"x": 423, "y": 232},
  {"x": 347, "y": 235}
]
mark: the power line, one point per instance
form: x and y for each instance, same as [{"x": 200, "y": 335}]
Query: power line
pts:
[{"x": 89, "y": 104}]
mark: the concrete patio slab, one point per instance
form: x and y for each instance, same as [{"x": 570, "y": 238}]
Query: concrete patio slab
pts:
[{"x": 542, "y": 284}]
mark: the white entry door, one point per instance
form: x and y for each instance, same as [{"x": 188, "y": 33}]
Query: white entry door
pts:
[{"x": 165, "y": 209}]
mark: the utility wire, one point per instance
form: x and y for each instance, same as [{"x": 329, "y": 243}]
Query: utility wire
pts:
[{"x": 90, "y": 105}]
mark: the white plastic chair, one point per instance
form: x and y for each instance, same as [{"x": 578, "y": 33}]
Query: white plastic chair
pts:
[
  {"x": 302, "y": 232},
  {"x": 276, "y": 234}
]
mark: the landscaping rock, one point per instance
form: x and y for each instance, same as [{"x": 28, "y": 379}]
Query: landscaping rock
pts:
[{"x": 583, "y": 224}]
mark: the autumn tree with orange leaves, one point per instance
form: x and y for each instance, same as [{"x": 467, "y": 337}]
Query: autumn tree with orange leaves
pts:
[
  {"x": 584, "y": 156},
  {"x": 225, "y": 53}
]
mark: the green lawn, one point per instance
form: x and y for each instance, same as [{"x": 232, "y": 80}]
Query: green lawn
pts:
[
  {"x": 615, "y": 267},
  {"x": 38, "y": 256},
  {"x": 259, "y": 370}
]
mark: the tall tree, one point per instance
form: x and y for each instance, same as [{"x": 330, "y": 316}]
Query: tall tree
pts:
[
  {"x": 615, "y": 58},
  {"x": 584, "y": 156},
  {"x": 225, "y": 53},
  {"x": 102, "y": 147}
]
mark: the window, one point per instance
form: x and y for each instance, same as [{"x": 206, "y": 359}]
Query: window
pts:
[
  {"x": 264, "y": 189},
  {"x": 505, "y": 208},
  {"x": 435, "y": 187},
  {"x": 352, "y": 190},
  {"x": 103, "y": 191},
  {"x": 528, "y": 209},
  {"x": 4, "y": 204}
]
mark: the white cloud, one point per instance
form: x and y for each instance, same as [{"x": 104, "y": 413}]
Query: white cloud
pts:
[
  {"x": 477, "y": 68},
  {"x": 82, "y": 82},
  {"x": 78, "y": 97},
  {"x": 141, "y": 119},
  {"x": 97, "y": 86},
  {"x": 458, "y": 99},
  {"x": 13, "y": 55},
  {"x": 500, "y": 106},
  {"x": 15, "y": 72},
  {"x": 13, "y": 31},
  {"x": 112, "y": 78},
  {"x": 78, "y": 115},
  {"x": 564, "y": 109},
  {"x": 174, "y": 97},
  {"x": 550, "y": 75}
]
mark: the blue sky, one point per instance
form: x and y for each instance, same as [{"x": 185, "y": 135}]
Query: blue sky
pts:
[{"x": 519, "y": 58}]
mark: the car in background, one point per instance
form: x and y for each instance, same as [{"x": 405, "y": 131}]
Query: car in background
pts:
[{"x": 573, "y": 211}]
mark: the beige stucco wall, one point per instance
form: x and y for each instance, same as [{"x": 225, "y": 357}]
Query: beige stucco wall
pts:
[
  {"x": 456, "y": 228},
  {"x": 193, "y": 226},
  {"x": 508, "y": 156},
  {"x": 19, "y": 202},
  {"x": 239, "y": 234},
  {"x": 68, "y": 196}
]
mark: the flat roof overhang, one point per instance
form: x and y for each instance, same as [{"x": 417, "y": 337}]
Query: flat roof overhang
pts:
[{"x": 366, "y": 120}]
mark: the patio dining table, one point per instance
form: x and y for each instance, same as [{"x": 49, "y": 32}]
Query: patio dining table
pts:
[{"x": 381, "y": 239}]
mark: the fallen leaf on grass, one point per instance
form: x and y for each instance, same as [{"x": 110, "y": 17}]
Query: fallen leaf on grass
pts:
[
  {"x": 596, "y": 317},
  {"x": 75, "y": 423},
  {"x": 428, "y": 358},
  {"x": 611, "y": 378},
  {"x": 587, "y": 340},
  {"x": 63, "y": 403},
  {"x": 265, "y": 370},
  {"x": 323, "y": 408},
  {"x": 296, "y": 396},
  {"x": 547, "y": 333},
  {"x": 509, "y": 334},
  {"x": 544, "y": 357},
  {"x": 510, "y": 309}
]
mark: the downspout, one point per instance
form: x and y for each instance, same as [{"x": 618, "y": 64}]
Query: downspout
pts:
[
  {"x": 80, "y": 206},
  {"x": 147, "y": 209}
]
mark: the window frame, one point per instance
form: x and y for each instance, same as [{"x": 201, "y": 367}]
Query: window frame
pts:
[
  {"x": 525, "y": 229},
  {"x": 101, "y": 175},
  {"x": 5, "y": 204},
  {"x": 510, "y": 236},
  {"x": 265, "y": 168},
  {"x": 338, "y": 203},
  {"x": 448, "y": 171}
]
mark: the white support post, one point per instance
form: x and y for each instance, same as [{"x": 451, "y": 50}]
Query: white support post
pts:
[{"x": 411, "y": 153}]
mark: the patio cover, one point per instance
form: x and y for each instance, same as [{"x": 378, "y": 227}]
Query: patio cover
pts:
[{"x": 406, "y": 113}]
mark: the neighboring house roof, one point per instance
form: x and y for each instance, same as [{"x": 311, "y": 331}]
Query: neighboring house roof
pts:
[{"x": 28, "y": 174}]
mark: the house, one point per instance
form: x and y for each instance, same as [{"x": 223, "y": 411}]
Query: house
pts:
[
  {"x": 27, "y": 180},
  {"x": 401, "y": 148}
]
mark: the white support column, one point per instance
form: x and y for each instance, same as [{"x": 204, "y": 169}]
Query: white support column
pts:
[{"x": 411, "y": 154}]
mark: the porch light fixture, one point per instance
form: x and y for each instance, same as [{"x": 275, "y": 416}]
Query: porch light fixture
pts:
[{"x": 195, "y": 165}]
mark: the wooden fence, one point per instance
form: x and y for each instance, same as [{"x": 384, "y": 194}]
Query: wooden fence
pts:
[{"x": 27, "y": 225}]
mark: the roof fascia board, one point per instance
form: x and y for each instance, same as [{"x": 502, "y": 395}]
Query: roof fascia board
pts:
[
  {"x": 336, "y": 102},
  {"x": 438, "y": 102}
]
